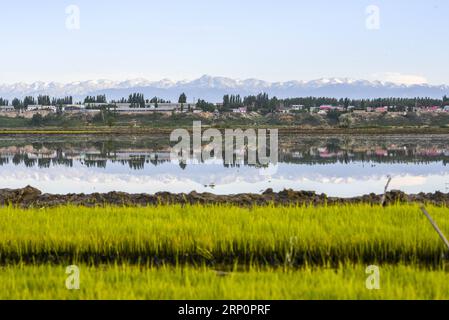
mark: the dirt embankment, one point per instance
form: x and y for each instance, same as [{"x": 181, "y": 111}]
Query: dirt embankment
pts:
[
  {"x": 31, "y": 197},
  {"x": 394, "y": 119},
  {"x": 354, "y": 122}
]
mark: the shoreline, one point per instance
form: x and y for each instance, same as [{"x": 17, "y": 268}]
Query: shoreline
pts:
[
  {"x": 281, "y": 130},
  {"x": 30, "y": 197}
]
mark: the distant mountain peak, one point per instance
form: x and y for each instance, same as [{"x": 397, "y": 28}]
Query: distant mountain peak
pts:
[{"x": 213, "y": 88}]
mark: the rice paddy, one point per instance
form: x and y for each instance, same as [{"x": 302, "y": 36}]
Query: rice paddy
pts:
[
  {"x": 198, "y": 283},
  {"x": 223, "y": 252}
]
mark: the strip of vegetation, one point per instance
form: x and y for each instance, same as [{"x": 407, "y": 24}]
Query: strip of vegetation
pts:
[
  {"x": 308, "y": 122},
  {"x": 187, "y": 283},
  {"x": 222, "y": 235}
]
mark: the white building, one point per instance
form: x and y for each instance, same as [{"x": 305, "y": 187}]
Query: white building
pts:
[
  {"x": 297, "y": 107},
  {"x": 123, "y": 107},
  {"x": 284, "y": 110},
  {"x": 7, "y": 109},
  {"x": 173, "y": 107},
  {"x": 292, "y": 108},
  {"x": 240, "y": 110},
  {"x": 160, "y": 107},
  {"x": 74, "y": 107},
  {"x": 34, "y": 107},
  {"x": 37, "y": 107},
  {"x": 96, "y": 105},
  {"x": 78, "y": 106}
]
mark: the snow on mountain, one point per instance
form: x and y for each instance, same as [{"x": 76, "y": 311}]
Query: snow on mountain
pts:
[{"x": 213, "y": 88}]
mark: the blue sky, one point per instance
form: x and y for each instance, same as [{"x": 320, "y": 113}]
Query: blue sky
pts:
[{"x": 270, "y": 40}]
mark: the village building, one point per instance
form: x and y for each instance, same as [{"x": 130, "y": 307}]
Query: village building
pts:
[
  {"x": 173, "y": 107},
  {"x": 96, "y": 105},
  {"x": 290, "y": 109},
  {"x": 74, "y": 108},
  {"x": 381, "y": 109},
  {"x": 153, "y": 107},
  {"x": 297, "y": 107},
  {"x": 433, "y": 109},
  {"x": 283, "y": 110},
  {"x": 37, "y": 107},
  {"x": 123, "y": 107},
  {"x": 326, "y": 107},
  {"x": 7, "y": 109},
  {"x": 240, "y": 110}
]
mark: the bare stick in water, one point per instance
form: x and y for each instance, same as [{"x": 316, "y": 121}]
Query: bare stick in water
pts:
[
  {"x": 435, "y": 226},
  {"x": 382, "y": 200}
]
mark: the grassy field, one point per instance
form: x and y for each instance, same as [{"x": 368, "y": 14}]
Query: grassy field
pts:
[
  {"x": 156, "y": 122},
  {"x": 222, "y": 234},
  {"x": 222, "y": 252},
  {"x": 188, "y": 283}
]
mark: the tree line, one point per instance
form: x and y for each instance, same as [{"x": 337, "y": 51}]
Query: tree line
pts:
[
  {"x": 97, "y": 99},
  {"x": 3, "y": 102},
  {"x": 42, "y": 100},
  {"x": 264, "y": 104},
  {"x": 260, "y": 103}
]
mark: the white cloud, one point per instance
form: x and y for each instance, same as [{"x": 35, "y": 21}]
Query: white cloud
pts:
[
  {"x": 399, "y": 182},
  {"x": 400, "y": 78}
]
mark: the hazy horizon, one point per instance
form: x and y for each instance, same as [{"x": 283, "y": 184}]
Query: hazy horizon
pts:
[{"x": 186, "y": 80}]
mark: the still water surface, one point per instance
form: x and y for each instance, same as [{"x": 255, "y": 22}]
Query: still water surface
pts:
[{"x": 342, "y": 165}]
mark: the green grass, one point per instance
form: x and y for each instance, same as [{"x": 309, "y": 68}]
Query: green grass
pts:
[
  {"x": 222, "y": 235},
  {"x": 222, "y": 252},
  {"x": 167, "y": 283},
  {"x": 7, "y": 122}
]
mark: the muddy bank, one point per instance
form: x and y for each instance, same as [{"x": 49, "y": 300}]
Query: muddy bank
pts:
[{"x": 31, "y": 197}]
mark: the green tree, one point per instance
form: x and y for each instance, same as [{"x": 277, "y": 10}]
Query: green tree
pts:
[
  {"x": 28, "y": 101},
  {"x": 137, "y": 100},
  {"x": 17, "y": 104},
  {"x": 43, "y": 100},
  {"x": 205, "y": 106},
  {"x": 182, "y": 98},
  {"x": 445, "y": 99},
  {"x": 4, "y": 102}
]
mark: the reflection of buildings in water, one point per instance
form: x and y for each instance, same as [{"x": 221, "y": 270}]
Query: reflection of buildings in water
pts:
[{"x": 137, "y": 159}]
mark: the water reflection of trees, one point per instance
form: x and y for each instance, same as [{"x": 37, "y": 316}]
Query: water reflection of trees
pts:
[
  {"x": 137, "y": 163},
  {"x": 18, "y": 158},
  {"x": 95, "y": 163},
  {"x": 140, "y": 162},
  {"x": 349, "y": 157},
  {"x": 305, "y": 152}
]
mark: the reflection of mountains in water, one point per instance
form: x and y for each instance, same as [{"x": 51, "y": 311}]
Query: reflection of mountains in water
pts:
[{"x": 138, "y": 159}]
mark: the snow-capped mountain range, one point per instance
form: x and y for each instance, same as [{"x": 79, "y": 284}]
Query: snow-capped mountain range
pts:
[{"x": 213, "y": 88}]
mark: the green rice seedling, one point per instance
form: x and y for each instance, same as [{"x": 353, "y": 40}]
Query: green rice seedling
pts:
[
  {"x": 126, "y": 281},
  {"x": 284, "y": 236}
]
